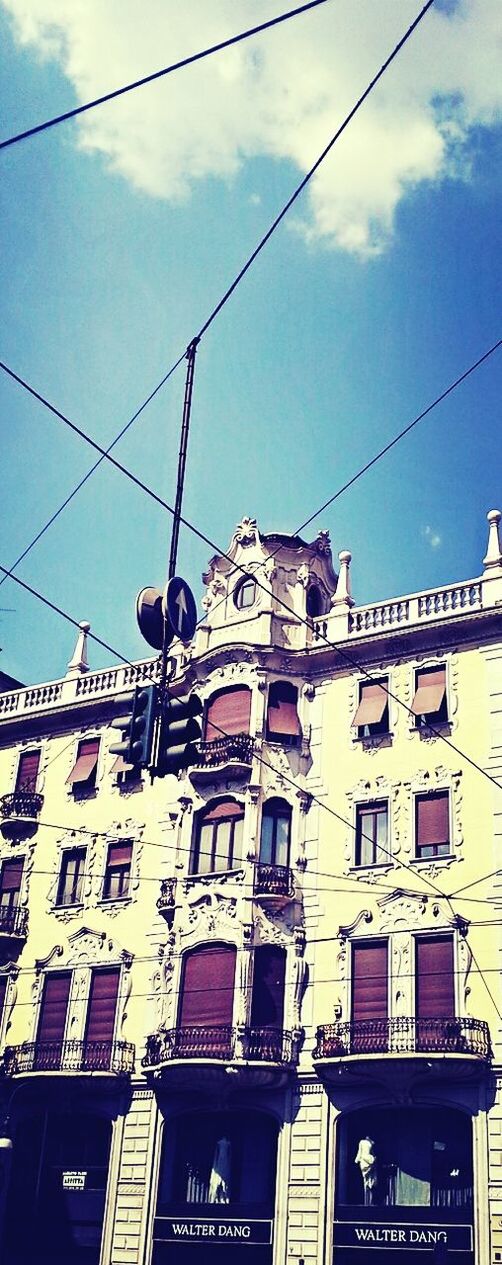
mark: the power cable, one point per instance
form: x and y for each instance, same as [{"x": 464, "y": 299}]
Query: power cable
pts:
[{"x": 158, "y": 74}]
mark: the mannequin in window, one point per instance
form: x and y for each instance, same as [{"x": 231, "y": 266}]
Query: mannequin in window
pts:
[
  {"x": 367, "y": 1161},
  {"x": 219, "y": 1180}
]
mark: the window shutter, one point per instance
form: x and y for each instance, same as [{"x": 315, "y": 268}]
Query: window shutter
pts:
[
  {"x": 282, "y": 713},
  {"x": 433, "y": 819},
  {"x": 223, "y": 809},
  {"x": 102, "y": 1004},
  {"x": 85, "y": 764},
  {"x": 430, "y": 692},
  {"x": 369, "y": 981},
  {"x": 12, "y": 873},
  {"x": 27, "y": 771},
  {"x": 373, "y": 701},
  {"x": 267, "y": 1007},
  {"x": 208, "y": 987},
  {"x": 119, "y": 854},
  {"x": 228, "y": 713},
  {"x": 52, "y": 1020},
  {"x": 435, "y": 993}
]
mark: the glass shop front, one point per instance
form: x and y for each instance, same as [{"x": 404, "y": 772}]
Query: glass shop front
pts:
[
  {"x": 404, "y": 1187},
  {"x": 216, "y": 1192}
]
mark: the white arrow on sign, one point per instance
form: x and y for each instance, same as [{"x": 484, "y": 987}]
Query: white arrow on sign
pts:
[{"x": 182, "y": 608}]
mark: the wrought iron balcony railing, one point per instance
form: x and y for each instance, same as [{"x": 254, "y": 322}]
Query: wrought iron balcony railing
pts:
[
  {"x": 259, "y": 1045},
  {"x": 273, "y": 880},
  {"x": 234, "y": 747},
  {"x": 403, "y": 1035},
  {"x": 167, "y": 899},
  {"x": 116, "y": 1057},
  {"x": 18, "y": 813},
  {"x": 13, "y": 922}
]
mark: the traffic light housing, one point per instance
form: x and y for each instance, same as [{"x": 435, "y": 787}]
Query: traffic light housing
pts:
[
  {"x": 137, "y": 724},
  {"x": 179, "y": 731}
]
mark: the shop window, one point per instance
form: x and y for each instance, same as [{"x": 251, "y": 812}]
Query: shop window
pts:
[
  {"x": 214, "y": 1159},
  {"x": 267, "y": 1002},
  {"x": 118, "y": 871},
  {"x": 245, "y": 593},
  {"x": 101, "y": 1013},
  {"x": 314, "y": 602},
  {"x": 228, "y": 713},
  {"x": 275, "y": 832},
  {"x": 430, "y": 704},
  {"x": 52, "y": 1019},
  {"x": 283, "y": 724},
  {"x": 408, "y": 1159},
  {"x": 207, "y": 991},
  {"x": 48, "y": 1220},
  {"x": 432, "y": 824},
  {"x": 27, "y": 771},
  {"x": 372, "y": 833},
  {"x": 217, "y": 844},
  {"x": 372, "y": 715},
  {"x": 369, "y": 997},
  {"x": 82, "y": 779},
  {"x": 10, "y": 886},
  {"x": 71, "y": 877}
]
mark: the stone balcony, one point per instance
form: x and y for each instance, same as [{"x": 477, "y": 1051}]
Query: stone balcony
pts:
[
  {"x": 221, "y": 1056},
  {"x": 19, "y": 813},
  {"x": 109, "y": 1058},
  {"x": 448, "y": 1047},
  {"x": 233, "y": 752}
]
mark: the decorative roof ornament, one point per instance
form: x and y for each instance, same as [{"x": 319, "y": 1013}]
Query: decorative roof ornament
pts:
[
  {"x": 246, "y": 532},
  {"x": 79, "y": 663},
  {"x": 493, "y": 557},
  {"x": 323, "y": 544}
]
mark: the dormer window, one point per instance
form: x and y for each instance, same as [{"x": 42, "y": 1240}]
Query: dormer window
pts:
[{"x": 245, "y": 593}]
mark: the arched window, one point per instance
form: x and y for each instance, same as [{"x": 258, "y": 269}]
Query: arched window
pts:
[
  {"x": 314, "y": 601},
  {"x": 275, "y": 832},
  {"x": 283, "y": 724},
  {"x": 207, "y": 989},
  {"x": 245, "y": 593},
  {"x": 228, "y": 712},
  {"x": 217, "y": 841}
]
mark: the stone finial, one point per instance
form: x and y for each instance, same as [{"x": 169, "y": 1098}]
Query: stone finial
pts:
[
  {"x": 493, "y": 557},
  {"x": 343, "y": 594},
  {"x": 79, "y": 663}
]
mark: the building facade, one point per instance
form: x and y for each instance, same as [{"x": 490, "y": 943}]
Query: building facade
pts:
[{"x": 255, "y": 1012}]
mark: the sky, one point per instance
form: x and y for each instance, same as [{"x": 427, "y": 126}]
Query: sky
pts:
[{"x": 121, "y": 231}]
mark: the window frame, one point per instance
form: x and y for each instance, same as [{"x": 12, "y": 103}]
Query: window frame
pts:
[
  {"x": 201, "y": 819},
  {"x": 23, "y": 786},
  {"x": 247, "y": 582},
  {"x": 81, "y": 788},
  {"x": 378, "y": 728},
  {"x": 275, "y": 816},
  {"x": 273, "y": 735},
  {"x": 435, "y": 854},
  {"x": 11, "y": 904},
  {"x": 121, "y": 869},
  {"x": 66, "y": 856},
  {"x": 422, "y": 720},
  {"x": 376, "y": 808}
]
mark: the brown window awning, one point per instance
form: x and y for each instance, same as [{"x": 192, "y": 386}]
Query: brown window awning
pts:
[
  {"x": 372, "y": 704},
  {"x": 120, "y": 766},
  {"x": 430, "y": 692},
  {"x": 85, "y": 764}
]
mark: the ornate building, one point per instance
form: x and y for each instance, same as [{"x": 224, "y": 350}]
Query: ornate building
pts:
[{"x": 256, "y": 1010}]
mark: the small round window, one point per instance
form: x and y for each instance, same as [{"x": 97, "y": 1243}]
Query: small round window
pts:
[{"x": 245, "y": 593}]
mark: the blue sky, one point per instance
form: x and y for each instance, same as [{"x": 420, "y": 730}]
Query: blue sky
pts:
[{"x": 119, "y": 236}]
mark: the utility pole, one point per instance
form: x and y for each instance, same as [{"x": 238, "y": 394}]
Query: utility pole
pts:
[{"x": 173, "y": 553}]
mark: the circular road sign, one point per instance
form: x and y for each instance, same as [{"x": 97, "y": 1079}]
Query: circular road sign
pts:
[
  {"x": 150, "y": 617},
  {"x": 179, "y": 608}
]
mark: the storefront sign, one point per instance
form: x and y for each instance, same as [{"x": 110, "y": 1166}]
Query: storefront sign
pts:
[
  {"x": 202, "y": 1230},
  {"x": 74, "y": 1180},
  {"x": 390, "y": 1234}
]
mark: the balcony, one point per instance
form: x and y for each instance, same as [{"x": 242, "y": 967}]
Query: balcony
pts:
[
  {"x": 235, "y": 751},
  {"x": 19, "y": 814},
  {"x": 273, "y": 885},
  {"x": 13, "y": 923},
  {"x": 221, "y": 1056},
  {"x": 110, "y": 1058},
  {"x": 428, "y": 1046},
  {"x": 166, "y": 903}
]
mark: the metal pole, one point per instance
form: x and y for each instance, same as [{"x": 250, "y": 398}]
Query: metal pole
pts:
[{"x": 182, "y": 457}]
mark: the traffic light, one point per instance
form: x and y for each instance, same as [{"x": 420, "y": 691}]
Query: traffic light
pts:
[
  {"x": 137, "y": 724},
  {"x": 179, "y": 731}
]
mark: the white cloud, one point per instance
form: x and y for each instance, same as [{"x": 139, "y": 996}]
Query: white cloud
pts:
[
  {"x": 432, "y": 537},
  {"x": 282, "y": 95}
]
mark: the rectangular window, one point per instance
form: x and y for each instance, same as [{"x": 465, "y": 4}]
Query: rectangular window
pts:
[
  {"x": 102, "y": 1007},
  {"x": 71, "y": 877},
  {"x": 118, "y": 871},
  {"x": 283, "y": 724},
  {"x": 207, "y": 995},
  {"x": 27, "y": 771},
  {"x": 432, "y": 824},
  {"x": 372, "y": 845},
  {"x": 52, "y": 1018},
  {"x": 435, "y": 990},
  {"x": 369, "y": 997},
  {"x": 10, "y": 884},
  {"x": 228, "y": 713},
  {"x": 372, "y": 715},
  {"x": 124, "y": 773},
  {"x": 430, "y": 704},
  {"x": 269, "y": 970},
  {"x": 82, "y": 778}
]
